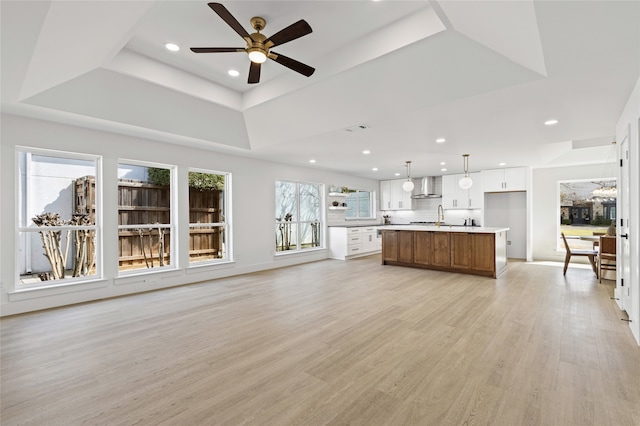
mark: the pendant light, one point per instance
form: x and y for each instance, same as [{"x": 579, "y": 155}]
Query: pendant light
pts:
[
  {"x": 466, "y": 181},
  {"x": 408, "y": 185}
]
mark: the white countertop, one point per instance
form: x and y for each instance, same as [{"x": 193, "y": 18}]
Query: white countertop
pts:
[
  {"x": 444, "y": 228},
  {"x": 353, "y": 225}
]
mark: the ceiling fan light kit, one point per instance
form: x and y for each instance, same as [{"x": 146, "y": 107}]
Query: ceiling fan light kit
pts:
[{"x": 258, "y": 45}]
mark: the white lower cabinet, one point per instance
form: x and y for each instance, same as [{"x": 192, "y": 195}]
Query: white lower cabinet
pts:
[{"x": 347, "y": 242}]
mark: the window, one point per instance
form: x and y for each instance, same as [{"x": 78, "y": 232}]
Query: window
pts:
[
  {"x": 587, "y": 208},
  {"x": 58, "y": 218},
  {"x": 297, "y": 216},
  {"x": 145, "y": 222},
  {"x": 359, "y": 204},
  {"x": 208, "y": 227}
]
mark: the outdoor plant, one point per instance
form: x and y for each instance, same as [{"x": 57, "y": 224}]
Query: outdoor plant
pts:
[
  {"x": 197, "y": 180},
  {"x": 56, "y": 251},
  {"x": 285, "y": 231}
]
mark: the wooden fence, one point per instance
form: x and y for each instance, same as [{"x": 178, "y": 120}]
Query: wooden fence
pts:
[{"x": 145, "y": 204}]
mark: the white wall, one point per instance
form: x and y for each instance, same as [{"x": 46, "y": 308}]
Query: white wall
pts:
[
  {"x": 509, "y": 209},
  {"x": 545, "y": 209},
  {"x": 252, "y": 203},
  {"x": 630, "y": 117}
]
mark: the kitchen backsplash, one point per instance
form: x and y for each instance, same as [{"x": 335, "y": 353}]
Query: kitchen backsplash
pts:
[{"x": 424, "y": 210}]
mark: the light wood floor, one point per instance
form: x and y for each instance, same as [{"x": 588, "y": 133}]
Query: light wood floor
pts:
[{"x": 332, "y": 343}]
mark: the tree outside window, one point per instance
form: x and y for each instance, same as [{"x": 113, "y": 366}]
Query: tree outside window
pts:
[{"x": 297, "y": 215}]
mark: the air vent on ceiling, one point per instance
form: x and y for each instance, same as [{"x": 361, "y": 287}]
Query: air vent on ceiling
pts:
[{"x": 357, "y": 128}]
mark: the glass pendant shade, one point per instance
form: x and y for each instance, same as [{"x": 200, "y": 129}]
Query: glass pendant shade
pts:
[
  {"x": 466, "y": 182},
  {"x": 407, "y": 186}
]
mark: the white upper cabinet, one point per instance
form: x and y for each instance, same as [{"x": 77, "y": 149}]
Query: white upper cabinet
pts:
[
  {"x": 504, "y": 180},
  {"x": 476, "y": 193},
  {"x": 451, "y": 192},
  {"x": 393, "y": 197},
  {"x": 454, "y": 197}
]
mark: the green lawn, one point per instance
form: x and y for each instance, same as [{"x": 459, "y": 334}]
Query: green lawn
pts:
[{"x": 581, "y": 230}]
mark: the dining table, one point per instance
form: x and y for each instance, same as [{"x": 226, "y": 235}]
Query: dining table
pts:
[{"x": 595, "y": 239}]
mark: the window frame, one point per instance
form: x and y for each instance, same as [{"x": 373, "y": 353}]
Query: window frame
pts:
[
  {"x": 225, "y": 225},
  {"x": 321, "y": 220},
  {"x": 372, "y": 204},
  {"x": 171, "y": 226},
  {"x": 22, "y": 225},
  {"x": 574, "y": 241}
]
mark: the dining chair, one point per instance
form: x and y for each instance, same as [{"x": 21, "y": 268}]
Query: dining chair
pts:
[
  {"x": 608, "y": 254},
  {"x": 591, "y": 254},
  {"x": 597, "y": 234}
]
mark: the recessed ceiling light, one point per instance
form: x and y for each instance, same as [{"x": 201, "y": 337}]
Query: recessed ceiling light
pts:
[
  {"x": 375, "y": 169},
  {"x": 366, "y": 152},
  {"x": 312, "y": 161},
  {"x": 502, "y": 164},
  {"x": 443, "y": 163},
  {"x": 441, "y": 140},
  {"x": 551, "y": 122},
  {"x": 443, "y": 170},
  {"x": 172, "y": 47},
  {"x": 233, "y": 73},
  {"x": 397, "y": 174}
]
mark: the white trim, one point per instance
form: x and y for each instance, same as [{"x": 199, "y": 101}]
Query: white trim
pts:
[{"x": 61, "y": 288}]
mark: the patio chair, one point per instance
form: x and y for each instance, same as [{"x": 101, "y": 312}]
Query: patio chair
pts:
[{"x": 591, "y": 254}]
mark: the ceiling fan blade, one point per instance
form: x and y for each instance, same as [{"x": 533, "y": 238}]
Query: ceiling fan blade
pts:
[
  {"x": 254, "y": 73},
  {"x": 303, "y": 69},
  {"x": 292, "y": 32},
  {"x": 216, "y": 49},
  {"x": 229, "y": 19}
]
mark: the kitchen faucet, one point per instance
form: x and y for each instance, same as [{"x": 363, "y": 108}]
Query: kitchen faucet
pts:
[{"x": 440, "y": 209}]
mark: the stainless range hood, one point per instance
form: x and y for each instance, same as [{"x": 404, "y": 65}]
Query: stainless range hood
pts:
[{"x": 427, "y": 187}]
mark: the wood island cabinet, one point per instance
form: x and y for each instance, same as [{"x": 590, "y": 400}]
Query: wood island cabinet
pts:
[
  {"x": 482, "y": 253},
  {"x": 405, "y": 246},
  {"x": 441, "y": 249},
  {"x": 389, "y": 246},
  {"x": 423, "y": 248},
  {"x": 460, "y": 250},
  {"x": 478, "y": 253}
]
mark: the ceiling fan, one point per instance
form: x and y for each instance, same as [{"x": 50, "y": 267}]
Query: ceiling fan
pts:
[{"x": 258, "y": 45}]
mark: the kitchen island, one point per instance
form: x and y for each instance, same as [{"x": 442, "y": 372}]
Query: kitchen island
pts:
[{"x": 473, "y": 250}]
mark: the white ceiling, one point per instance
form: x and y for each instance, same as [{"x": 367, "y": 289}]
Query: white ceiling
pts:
[{"x": 485, "y": 75}]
